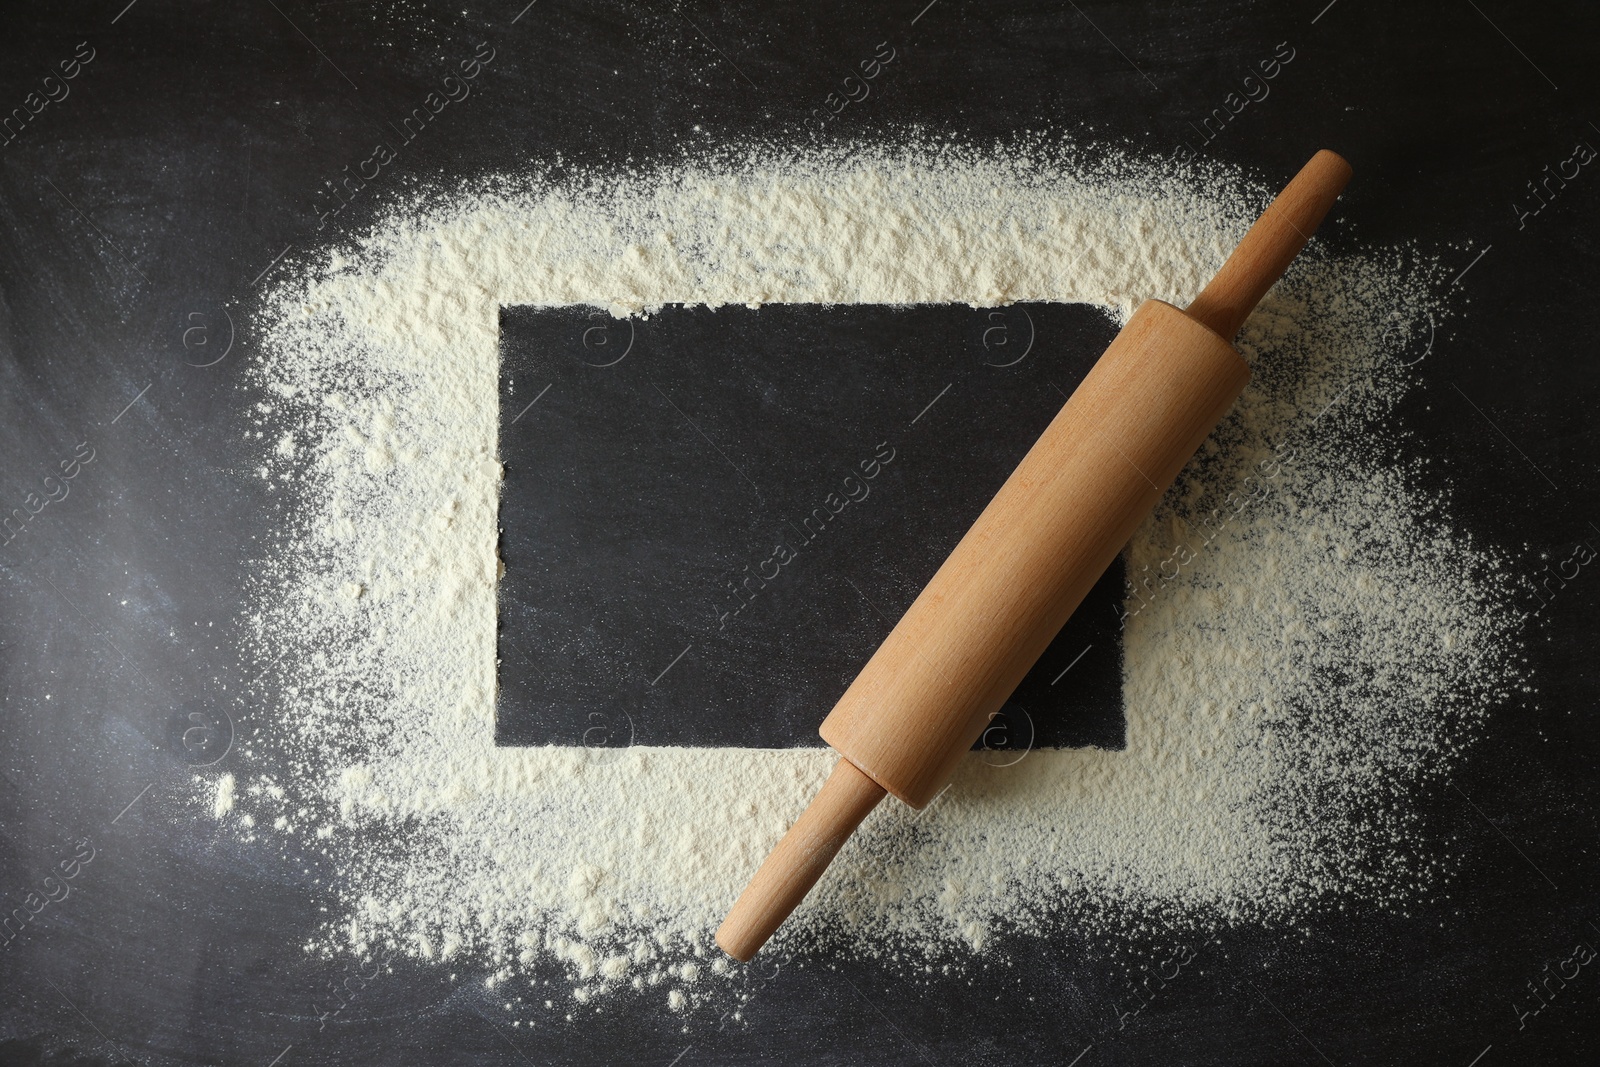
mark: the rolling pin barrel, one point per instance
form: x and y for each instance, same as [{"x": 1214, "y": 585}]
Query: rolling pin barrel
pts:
[
  {"x": 1041, "y": 544},
  {"x": 1054, "y": 527}
]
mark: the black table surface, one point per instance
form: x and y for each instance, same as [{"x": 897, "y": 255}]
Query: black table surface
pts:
[
  {"x": 750, "y": 579},
  {"x": 189, "y": 152}
]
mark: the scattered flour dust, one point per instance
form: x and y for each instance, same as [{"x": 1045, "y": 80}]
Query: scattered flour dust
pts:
[
  {"x": 1308, "y": 642},
  {"x": 222, "y": 799}
]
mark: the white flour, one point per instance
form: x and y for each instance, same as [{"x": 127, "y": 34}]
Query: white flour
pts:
[{"x": 1306, "y": 671}]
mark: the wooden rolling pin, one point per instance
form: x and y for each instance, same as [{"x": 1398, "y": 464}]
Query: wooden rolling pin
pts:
[{"x": 962, "y": 648}]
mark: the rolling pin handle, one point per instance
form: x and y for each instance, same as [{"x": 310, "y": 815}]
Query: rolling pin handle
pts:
[
  {"x": 802, "y": 855},
  {"x": 1270, "y": 245}
]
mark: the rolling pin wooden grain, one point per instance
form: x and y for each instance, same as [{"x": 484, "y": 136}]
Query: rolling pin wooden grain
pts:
[{"x": 1025, "y": 565}]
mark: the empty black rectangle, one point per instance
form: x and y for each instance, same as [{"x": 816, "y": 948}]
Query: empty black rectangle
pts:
[{"x": 711, "y": 517}]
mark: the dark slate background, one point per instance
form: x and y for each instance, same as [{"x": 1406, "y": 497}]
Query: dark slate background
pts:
[
  {"x": 675, "y": 573},
  {"x": 188, "y": 158}
]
